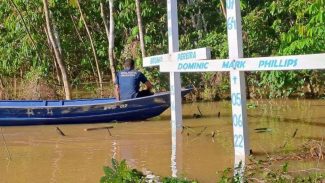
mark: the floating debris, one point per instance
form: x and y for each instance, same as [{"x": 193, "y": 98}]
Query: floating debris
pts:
[
  {"x": 213, "y": 134},
  {"x": 60, "y": 131},
  {"x": 295, "y": 133},
  {"x": 198, "y": 115},
  {"x": 100, "y": 128},
  {"x": 263, "y": 130}
]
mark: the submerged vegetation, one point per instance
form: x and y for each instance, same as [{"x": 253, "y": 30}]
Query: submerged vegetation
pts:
[{"x": 31, "y": 57}]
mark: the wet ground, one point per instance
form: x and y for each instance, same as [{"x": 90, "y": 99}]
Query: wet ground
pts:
[{"x": 40, "y": 154}]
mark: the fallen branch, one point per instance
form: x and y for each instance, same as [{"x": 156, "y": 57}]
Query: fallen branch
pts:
[
  {"x": 98, "y": 128},
  {"x": 60, "y": 131},
  {"x": 188, "y": 128}
]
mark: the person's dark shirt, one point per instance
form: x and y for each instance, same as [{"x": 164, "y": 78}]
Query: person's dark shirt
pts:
[{"x": 129, "y": 83}]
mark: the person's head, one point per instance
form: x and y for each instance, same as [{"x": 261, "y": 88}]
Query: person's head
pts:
[{"x": 128, "y": 64}]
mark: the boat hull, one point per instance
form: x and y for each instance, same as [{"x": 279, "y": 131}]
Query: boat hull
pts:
[{"x": 82, "y": 111}]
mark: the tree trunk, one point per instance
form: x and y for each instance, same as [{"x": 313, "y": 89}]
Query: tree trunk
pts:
[
  {"x": 1, "y": 84},
  {"x": 57, "y": 53},
  {"x": 110, "y": 53},
  {"x": 93, "y": 49},
  {"x": 55, "y": 33},
  {"x": 111, "y": 39},
  {"x": 2, "y": 91},
  {"x": 223, "y": 8},
  {"x": 84, "y": 44},
  {"x": 57, "y": 72},
  {"x": 138, "y": 11},
  {"x": 58, "y": 77}
]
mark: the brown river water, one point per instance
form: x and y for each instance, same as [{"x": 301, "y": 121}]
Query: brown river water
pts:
[{"x": 38, "y": 154}]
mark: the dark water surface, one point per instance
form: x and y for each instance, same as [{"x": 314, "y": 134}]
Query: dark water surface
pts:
[{"x": 40, "y": 154}]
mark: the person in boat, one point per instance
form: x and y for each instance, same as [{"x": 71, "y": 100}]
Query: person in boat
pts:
[{"x": 127, "y": 84}]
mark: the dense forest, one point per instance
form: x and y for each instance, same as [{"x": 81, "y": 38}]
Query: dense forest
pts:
[{"x": 56, "y": 48}]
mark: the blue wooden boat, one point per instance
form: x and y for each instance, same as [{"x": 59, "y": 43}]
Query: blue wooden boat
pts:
[{"x": 37, "y": 112}]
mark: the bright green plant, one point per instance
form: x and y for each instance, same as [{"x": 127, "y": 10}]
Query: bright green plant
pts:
[
  {"x": 177, "y": 180},
  {"x": 121, "y": 173}
]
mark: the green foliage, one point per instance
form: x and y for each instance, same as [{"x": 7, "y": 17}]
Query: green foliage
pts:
[
  {"x": 251, "y": 106},
  {"x": 269, "y": 28},
  {"x": 298, "y": 26},
  {"x": 121, "y": 173},
  {"x": 257, "y": 172},
  {"x": 177, "y": 180}
]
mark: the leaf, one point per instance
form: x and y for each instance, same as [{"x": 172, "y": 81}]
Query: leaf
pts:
[
  {"x": 135, "y": 31},
  {"x": 73, "y": 3},
  {"x": 108, "y": 171}
]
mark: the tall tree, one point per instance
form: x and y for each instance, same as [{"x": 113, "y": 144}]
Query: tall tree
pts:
[
  {"x": 111, "y": 39},
  {"x": 57, "y": 53},
  {"x": 83, "y": 42},
  {"x": 100, "y": 79},
  {"x": 107, "y": 30},
  {"x": 140, "y": 25}
]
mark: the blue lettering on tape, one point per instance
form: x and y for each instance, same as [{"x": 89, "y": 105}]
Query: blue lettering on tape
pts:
[
  {"x": 231, "y": 23},
  {"x": 230, "y": 4},
  {"x": 237, "y": 120},
  {"x": 155, "y": 60},
  {"x": 236, "y": 64},
  {"x": 236, "y": 99},
  {"x": 186, "y": 56},
  {"x": 278, "y": 63},
  {"x": 238, "y": 140},
  {"x": 193, "y": 66}
]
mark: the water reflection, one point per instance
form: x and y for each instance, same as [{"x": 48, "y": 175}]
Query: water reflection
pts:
[
  {"x": 176, "y": 151},
  {"x": 56, "y": 160}
]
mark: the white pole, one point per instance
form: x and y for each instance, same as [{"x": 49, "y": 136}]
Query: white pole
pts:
[
  {"x": 238, "y": 86},
  {"x": 175, "y": 82},
  {"x": 173, "y": 46}
]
